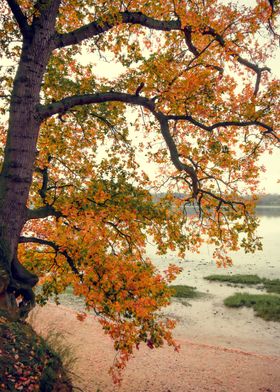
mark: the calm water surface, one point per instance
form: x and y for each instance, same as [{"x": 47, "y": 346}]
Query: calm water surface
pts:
[{"x": 266, "y": 263}]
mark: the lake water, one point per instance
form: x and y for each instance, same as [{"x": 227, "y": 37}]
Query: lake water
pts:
[
  {"x": 266, "y": 263},
  {"x": 206, "y": 320}
]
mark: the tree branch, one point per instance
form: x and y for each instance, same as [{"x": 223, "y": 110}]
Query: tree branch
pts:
[
  {"x": 95, "y": 28},
  {"x": 19, "y": 17},
  {"x": 188, "y": 39},
  {"x": 43, "y": 212},
  {"x": 45, "y": 179},
  {"x": 65, "y": 104},
  {"x": 210, "y": 128},
  {"x": 47, "y": 210},
  {"x": 53, "y": 245},
  {"x": 222, "y": 200},
  {"x": 174, "y": 155},
  {"x": 254, "y": 67}
]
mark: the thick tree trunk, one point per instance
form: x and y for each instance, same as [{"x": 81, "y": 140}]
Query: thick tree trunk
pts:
[
  {"x": 19, "y": 158},
  {"x": 16, "y": 175}
]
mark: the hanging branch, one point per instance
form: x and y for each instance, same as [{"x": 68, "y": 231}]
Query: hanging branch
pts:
[{"x": 35, "y": 240}]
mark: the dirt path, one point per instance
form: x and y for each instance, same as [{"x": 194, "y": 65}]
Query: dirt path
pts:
[{"x": 198, "y": 367}]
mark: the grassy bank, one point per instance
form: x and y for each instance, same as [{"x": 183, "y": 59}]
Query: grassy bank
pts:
[
  {"x": 184, "y": 291},
  {"x": 27, "y": 363},
  {"x": 265, "y": 306},
  {"x": 270, "y": 285},
  {"x": 235, "y": 279}
]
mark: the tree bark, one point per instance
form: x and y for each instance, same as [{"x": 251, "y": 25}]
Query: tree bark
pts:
[{"x": 19, "y": 157}]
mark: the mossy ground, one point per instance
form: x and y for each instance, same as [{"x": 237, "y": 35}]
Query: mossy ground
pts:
[{"x": 27, "y": 363}]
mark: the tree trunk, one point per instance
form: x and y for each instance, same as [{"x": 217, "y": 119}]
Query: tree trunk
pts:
[{"x": 18, "y": 166}]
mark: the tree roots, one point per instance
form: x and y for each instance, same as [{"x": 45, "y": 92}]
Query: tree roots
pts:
[{"x": 16, "y": 295}]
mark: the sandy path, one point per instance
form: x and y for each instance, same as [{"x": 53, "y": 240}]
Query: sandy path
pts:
[{"x": 198, "y": 367}]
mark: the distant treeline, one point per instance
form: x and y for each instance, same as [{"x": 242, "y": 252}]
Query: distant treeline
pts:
[{"x": 267, "y": 200}]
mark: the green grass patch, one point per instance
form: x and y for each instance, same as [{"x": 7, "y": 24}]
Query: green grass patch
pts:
[
  {"x": 183, "y": 291},
  {"x": 265, "y": 306},
  {"x": 271, "y": 285},
  {"x": 241, "y": 279}
]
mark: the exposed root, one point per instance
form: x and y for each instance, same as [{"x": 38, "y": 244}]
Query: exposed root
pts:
[{"x": 17, "y": 298}]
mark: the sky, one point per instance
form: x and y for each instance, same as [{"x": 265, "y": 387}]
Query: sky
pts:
[
  {"x": 272, "y": 162},
  {"x": 272, "y": 175}
]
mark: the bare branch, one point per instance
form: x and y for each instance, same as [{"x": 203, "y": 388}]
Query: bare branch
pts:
[{"x": 19, "y": 17}]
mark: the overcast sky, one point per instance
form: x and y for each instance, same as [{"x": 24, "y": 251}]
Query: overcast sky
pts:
[{"x": 272, "y": 162}]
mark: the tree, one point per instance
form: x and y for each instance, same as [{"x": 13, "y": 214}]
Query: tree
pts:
[{"x": 194, "y": 78}]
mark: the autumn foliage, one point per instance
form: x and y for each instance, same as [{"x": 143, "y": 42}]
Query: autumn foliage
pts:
[{"x": 194, "y": 95}]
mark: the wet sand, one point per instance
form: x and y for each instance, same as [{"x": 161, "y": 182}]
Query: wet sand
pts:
[{"x": 207, "y": 320}]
